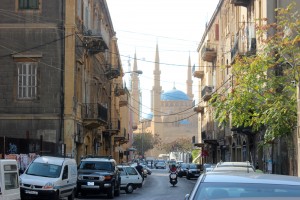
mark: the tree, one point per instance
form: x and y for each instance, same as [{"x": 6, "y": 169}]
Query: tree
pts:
[
  {"x": 179, "y": 145},
  {"x": 145, "y": 141},
  {"x": 263, "y": 93}
]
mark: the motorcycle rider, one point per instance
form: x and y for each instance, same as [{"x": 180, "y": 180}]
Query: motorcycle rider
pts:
[
  {"x": 173, "y": 170},
  {"x": 140, "y": 170}
]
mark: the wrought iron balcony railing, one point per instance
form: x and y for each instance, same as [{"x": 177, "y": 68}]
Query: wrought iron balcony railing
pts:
[
  {"x": 209, "y": 52},
  {"x": 206, "y": 92},
  {"x": 94, "y": 115}
]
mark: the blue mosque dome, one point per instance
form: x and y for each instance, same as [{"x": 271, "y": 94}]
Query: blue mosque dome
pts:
[
  {"x": 184, "y": 122},
  {"x": 148, "y": 116},
  {"x": 174, "y": 95}
]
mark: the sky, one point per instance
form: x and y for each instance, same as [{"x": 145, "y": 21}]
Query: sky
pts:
[{"x": 176, "y": 26}]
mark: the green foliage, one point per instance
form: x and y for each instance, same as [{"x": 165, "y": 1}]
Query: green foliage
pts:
[
  {"x": 179, "y": 145},
  {"x": 145, "y": 141},
  {"x": 195, "y": 154},
  {"x": 263, "y": 92}
]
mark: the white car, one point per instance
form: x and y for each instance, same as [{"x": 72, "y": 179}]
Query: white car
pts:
[{"x": 130, "y": 178}]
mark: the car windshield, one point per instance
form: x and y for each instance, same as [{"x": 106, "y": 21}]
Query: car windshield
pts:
[
  {"x": 194, "y": 166},
  {"x": 183, "y": 165},
  {"x": 245, "y": 190},
  {"x": 44, "y": 169},
  {"x": 92, "y": 165}
]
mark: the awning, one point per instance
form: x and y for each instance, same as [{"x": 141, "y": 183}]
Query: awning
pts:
[
  {"x": 210, "y": 141},
  {"x": 199, "y": 144}
]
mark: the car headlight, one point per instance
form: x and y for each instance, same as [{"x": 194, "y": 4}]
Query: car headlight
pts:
[
  {"x": 80, "y": 177},
  {"x": 48, "y": 186}
]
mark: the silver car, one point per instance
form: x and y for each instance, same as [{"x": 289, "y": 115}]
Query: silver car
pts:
[
  {"x": 234, "y": 166},
  {"x": 241, "y": 185}
]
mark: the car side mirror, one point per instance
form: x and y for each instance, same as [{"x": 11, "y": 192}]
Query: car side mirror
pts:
[{"x": 187, "y": 196}]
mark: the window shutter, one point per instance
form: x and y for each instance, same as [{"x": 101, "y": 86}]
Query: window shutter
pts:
[{"x": 217, "y": 32}]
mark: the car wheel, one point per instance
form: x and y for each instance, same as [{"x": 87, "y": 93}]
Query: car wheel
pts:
[
  {"x": 71, "y": 196},
  {"x": 23, "y": 197},
  {"x": 117, "y": 191},
  {"x": 111, "y": 192},
  {"x": 188, "y": 177},
  {"x": 56, "y": 196},
  {"x": 129, "y": 189}
]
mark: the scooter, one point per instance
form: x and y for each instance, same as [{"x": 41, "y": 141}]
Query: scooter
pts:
[{"x": 173, "y": 178}]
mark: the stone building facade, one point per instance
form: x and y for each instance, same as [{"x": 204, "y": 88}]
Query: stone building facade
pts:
[{"x": 61, "y": 79}]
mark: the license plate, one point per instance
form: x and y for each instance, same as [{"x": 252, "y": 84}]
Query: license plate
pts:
[
  {"x": 90, "y": 183},
  {"x": 31, "y": 192},
  {"x": 173, "y": 175}
]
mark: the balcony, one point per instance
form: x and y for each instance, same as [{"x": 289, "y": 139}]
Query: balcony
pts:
[
  {"x": 206, "y": 92},
  {"x": 199, "y": 109},
  {"x": 209, "y": 52},
  {"x": 244, "y": 49},
  {"x": 112, "y": 73},
  {"x": 114, "y": 126},
  {"x": 198, "y": 74},
  {"x": 95, "y": 40},
  {"x": 94, "y": 115},
  {"x": 122, "y": 138},
  {"x": 240, "y": 2}
]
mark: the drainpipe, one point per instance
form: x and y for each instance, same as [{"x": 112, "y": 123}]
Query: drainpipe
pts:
[{"x": 62, "y": 99}]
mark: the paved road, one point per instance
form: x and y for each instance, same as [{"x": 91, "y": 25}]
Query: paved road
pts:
[{"x": 156, "y": 187}]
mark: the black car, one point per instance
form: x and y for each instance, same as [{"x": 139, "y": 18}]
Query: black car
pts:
[
  {"x": 98, "y": 175},
  {"x": 194, "y": 170},
  {"x": 182, "y": 169}
]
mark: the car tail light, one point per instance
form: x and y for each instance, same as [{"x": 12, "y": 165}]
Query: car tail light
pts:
[{"x": 107, "y": 178}]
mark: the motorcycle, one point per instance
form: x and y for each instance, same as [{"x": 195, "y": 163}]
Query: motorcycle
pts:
[{"x": 173, "y": 178}]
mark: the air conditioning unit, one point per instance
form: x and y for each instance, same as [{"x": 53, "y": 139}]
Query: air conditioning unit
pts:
[{"x": 79, "y": 134}]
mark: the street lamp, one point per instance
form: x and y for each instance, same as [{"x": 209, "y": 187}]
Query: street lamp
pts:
[{"x": 136, "y": 72}]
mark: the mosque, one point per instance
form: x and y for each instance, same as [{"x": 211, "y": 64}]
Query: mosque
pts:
[{"x": 171, "y": 115}]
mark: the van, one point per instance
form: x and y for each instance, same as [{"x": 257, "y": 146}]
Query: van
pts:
[
  {"x": 9, "y": 180},
  {"x": 49, "y": 177}
]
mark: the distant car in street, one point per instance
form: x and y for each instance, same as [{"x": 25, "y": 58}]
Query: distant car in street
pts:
[
  {"x": 243, "y": 186},
  {"x": 193, "y": 170},
  {"x": 160, "y": 165},
  {"x": 130, "y": 178},
  {"x": 182, "y": 169}
]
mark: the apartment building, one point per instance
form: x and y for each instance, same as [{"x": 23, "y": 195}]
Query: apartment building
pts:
[
  {"x": 61, "y": 80},
  {"x": 231, "y": 32}
]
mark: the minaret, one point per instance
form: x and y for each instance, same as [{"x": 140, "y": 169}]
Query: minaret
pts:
[
  {"x": 135, "y": 93},
  {"x": 189, "y": 82},
  {"x": 156, "y": 92}
]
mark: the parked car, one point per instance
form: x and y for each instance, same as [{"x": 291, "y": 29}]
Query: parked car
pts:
[
  {"x": 234, "y": 166},
  {"x": 49, "y": 177},
  {"x": 207, "y": 167},
  {"x": 194, "y": 170},
  {"x": 98, "y": 175},
  {"x": 130, "y": 178},
  {"x": 9, "y": 180},
  {"x": 243, "y": 186},
  {"x": 182, "y": 169},
  {"x": 160, "y": 165}
]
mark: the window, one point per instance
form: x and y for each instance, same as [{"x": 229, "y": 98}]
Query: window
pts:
[
  {"x": 65, "y": 172},
  {"x": 28, "y": 4},
  {"x": 11, "y": 180},
  {"x": 27, "y": 80}
]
